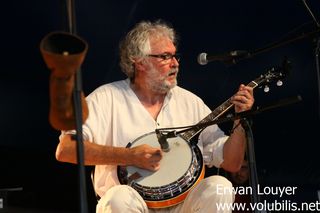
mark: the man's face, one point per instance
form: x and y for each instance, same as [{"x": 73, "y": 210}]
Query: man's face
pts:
[{"x": 162, "y": 67}]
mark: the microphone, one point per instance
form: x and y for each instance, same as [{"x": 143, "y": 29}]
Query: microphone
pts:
[
  {"x": 162, "y": 139},
  {"x": 228, "y": 58}
]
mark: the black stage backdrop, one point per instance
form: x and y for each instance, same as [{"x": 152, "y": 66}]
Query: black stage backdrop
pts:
[{"x": 285, "y": 138}]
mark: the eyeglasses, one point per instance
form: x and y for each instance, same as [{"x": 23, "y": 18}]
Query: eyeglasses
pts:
[{"x": 166, "y": 56}]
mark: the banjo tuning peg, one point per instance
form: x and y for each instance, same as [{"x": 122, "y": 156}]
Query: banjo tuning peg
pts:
[{"x": 279, "y": 83}]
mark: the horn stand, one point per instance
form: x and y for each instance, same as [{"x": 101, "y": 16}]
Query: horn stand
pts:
[{"x": 64, "y": 53}]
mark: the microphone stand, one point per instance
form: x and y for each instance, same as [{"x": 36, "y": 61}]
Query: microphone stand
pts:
[
  {"x": 253, "y": 174},
  {"x": 281, "y": 43},
  {"x": 317, "y": 50},
  {"x": 243, "y": 116},
  {"x": 237, "y": 116},
  {"x": 78, "y": 116}
]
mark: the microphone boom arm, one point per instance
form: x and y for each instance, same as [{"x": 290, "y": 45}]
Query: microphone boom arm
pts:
[{"x": 162, "y": 137}]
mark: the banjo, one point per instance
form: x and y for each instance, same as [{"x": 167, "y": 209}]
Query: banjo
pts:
[{"x": 182, "y": 167}]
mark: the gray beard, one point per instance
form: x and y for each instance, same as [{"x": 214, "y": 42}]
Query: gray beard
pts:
[
  {"x": 158, "y": 84},
  {"x": 162, "y": 87}
]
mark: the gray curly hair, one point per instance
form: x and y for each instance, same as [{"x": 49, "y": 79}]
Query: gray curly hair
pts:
[{"x": 136, "y": 43}]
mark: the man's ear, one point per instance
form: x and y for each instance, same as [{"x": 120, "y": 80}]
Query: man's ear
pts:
[{"x": 140, "y": 64}]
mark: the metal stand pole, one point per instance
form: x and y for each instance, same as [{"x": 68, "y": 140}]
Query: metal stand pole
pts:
[{"x": 78, "y": 115}]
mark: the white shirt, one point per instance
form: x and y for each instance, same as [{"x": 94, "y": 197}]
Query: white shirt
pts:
[{"x": 117, "y": 117}]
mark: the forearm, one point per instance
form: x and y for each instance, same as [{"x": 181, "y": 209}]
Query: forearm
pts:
[
  {"x": 234, "y": 149},
  {"x": 94, "y": 154}
]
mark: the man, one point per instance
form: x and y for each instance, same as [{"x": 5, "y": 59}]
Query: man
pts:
[{"x": 122, "y": 111}]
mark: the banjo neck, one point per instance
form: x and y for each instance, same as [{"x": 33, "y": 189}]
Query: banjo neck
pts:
[{"x": 215, "y": 114}]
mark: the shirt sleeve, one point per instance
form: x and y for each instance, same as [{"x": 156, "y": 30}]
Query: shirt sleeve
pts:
[{"x": 212, "y": 139}]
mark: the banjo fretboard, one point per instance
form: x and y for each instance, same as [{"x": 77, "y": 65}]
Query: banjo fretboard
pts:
[{"x": 215, "y": 114}]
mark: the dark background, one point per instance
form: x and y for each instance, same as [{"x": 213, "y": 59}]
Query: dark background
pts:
[{"x": 285, "y": 138}]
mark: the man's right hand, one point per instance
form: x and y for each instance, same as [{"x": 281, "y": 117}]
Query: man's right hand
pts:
[{"x": 146, "y": 157}]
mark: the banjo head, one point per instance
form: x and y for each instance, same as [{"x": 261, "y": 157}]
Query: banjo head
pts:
[
  {"x": 173, "y": 164},
  {"x": 181, "y": 168}
]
